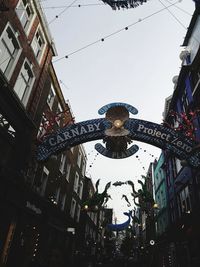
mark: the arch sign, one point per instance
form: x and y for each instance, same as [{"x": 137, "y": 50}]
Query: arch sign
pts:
[{"x": 118, "y": 131}]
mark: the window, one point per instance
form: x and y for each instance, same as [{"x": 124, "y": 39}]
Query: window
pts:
[
  {"x": 9, "y": 51},
  {"x": 24, "y": 82},
  {"x": 63, "y": 199},
  {"x": 185, "y": 205},
  {"x": 25, "y": 13},
  {"x": 80, "y": 189},
  {"x": 42, "y": 130},
  {"x": 38, "y": 44},
  {"x": 178, "y": 165},
  {"x": 83, "y": 168},
  {"x": 184, "y": 100},
  {"x": 50, "y": 98},
  {"x": 73, "y": 207},
  {"x": 68, "y": 168},
  {"x": 79, "y": 159},
  {"x": 6, "y": 126},
  {"x": 78, "y": 213},
  {"x": 59, "y": 115},
  {"x": 62, "y": 163},
  {"x": 44, "y": 178},
  {"x": 57, "y": 195},
  {"x": 76, "y": 181}
]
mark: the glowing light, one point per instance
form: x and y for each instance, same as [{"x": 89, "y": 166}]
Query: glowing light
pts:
[{"x": 118, "y": 123}]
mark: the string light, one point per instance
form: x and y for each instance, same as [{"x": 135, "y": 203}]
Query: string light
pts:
[
  {"x": 82, "y": 5},
  {"x": 114, "y": 33},
  {"x": 92, "y": 163},
  {"x": 66, "y": 8}
]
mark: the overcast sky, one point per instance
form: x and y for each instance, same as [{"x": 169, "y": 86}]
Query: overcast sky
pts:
[{"x": 135, "y": 66}]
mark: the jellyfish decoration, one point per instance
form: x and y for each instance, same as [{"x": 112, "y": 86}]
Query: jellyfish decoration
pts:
[
  {"x": 121, "y": 226},
  {"x": 97, "y": 200}
]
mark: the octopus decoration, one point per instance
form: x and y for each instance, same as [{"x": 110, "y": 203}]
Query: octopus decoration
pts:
[
  {"x": 98, "y": 200},
  {"x": 118, "y": 4},
  {"x": 145, "y": 198},
  {"x": 128, "y": 203},
  {"x": 121, "y": 226}
]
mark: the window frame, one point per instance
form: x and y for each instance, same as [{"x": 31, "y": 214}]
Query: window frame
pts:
[
  {"x": 14, "y": 56},
  {"x": 38, "y": 49},
  {"x": 24, "y": 14},
  {"x": 29, "y": 84}
]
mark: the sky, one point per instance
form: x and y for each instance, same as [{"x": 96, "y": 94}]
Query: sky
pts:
[{"x": 134, "y": 66}]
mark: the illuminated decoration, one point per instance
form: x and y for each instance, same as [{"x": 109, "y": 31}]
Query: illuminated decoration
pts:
[
  {"x": 158, "y": 135},
  {"x": 184, "y": 123},
  {"x": 51, "y": 120},
  {"x": 121, "y": 226},
  {"x": 145, "y": 198},
  {"x": 98, "y": 200},
  {"x": 121, "y": 4}
]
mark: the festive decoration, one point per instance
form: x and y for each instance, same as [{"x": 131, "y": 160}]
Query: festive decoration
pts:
[
  {"x": 118, "y": 183},
  {"x": 51, "y": 120},
  {"x": 183, "y": 122},
  {"x": 90, "y": 165},
  {"x": 118, "y": 4},
  {"x": 125, "y": 197},
  {"x": 144, "y": 197},
  {"x": 121, "y": 226},
  {"x": 116, "y": 139},
  {"x": 98, "y": 200},
  {"x": 163, "y": 137}
]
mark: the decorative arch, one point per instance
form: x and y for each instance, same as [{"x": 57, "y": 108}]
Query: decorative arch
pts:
[{"x": 120, "y": 129}]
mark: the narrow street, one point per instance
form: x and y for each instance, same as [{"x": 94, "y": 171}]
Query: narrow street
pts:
[{"x": 99, "y": 133}]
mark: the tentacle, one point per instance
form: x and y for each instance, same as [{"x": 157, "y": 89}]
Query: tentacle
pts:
[
  {"x": 97, "y": 185},
  {"x": 133, "y": 186}
]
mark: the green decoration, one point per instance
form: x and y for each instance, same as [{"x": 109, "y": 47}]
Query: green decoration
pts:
[
  {"x": 145, "y": 198},
  {"x": 98, "y": 200}
]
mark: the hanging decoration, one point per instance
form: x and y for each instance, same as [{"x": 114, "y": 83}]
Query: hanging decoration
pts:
[
  {"x": 118, "y": 183},
  {"x": 126, "y": 198},
  {"x": 118, "y": 124},
  {"x": 122, "y": 4},
  {"x": 50, "y": 122},
  {"x": 121, "y": 226},
  {"x": 117, "y": 136},
  {"x": 183, "y": 122},
  {"x": 98, "y": 200},
  {"x": 90, "y": 165},
  {"x": 145, "y": 198},
  {"x": 145, "y": 151}
]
